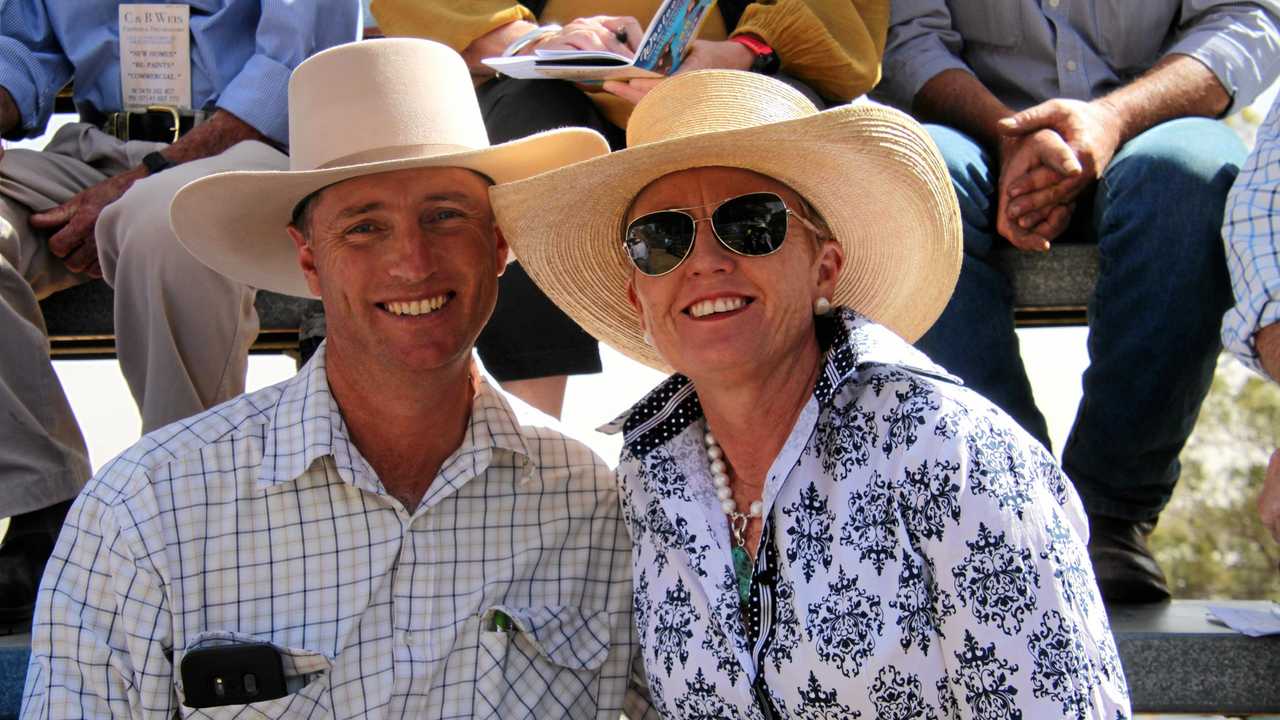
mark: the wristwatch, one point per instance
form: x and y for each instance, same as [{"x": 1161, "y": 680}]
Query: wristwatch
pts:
[
  {"x": 156, "y": 162},
  {"x": 766, "y": 61}
]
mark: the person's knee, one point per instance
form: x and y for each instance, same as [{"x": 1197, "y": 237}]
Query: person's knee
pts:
[
  {"x": 1179, "y": 161},
  {"x": 134, "y": 235}
]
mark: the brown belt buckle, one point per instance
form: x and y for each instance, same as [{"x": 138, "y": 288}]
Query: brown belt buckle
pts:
[{"x": 173, "y": 113}]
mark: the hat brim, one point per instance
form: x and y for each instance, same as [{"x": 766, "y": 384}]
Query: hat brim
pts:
[
  {"x": 234, "y": 222},
  {"x": 873, "y": 174}
]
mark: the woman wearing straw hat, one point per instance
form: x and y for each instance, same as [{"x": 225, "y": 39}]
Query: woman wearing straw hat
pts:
[{"x": 826, "y": 523}]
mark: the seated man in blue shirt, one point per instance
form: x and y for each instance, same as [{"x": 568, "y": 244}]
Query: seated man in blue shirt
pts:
[
  {"x": 1090, "y": 120},
  {"x": 87, "y": 207}
]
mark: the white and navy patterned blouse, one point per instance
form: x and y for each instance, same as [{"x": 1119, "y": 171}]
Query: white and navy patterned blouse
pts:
[
  {"x": 922, "y": 557},
  {"x": 259, "y": 521}
]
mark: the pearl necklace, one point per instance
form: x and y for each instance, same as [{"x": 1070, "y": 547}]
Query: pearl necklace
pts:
[{"x": 737, "y": 521}]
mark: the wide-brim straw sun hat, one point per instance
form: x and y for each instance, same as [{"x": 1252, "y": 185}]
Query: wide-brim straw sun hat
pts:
[
  {"x": 870, "y": 171},
  {"x": 357, "y": 109}
]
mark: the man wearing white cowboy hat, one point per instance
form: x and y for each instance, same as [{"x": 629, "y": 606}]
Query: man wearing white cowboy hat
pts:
[{"x": 377, "y": 536}]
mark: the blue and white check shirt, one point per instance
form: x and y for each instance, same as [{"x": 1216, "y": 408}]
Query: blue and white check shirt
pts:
[
  {"x": 259, "y": 520},
  {"x": 1251, "y": 229}
]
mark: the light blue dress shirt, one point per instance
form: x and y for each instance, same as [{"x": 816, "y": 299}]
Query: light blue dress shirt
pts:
[
  {"x": 1029, "y": 51},
  {"x": 242, "y": 52}
]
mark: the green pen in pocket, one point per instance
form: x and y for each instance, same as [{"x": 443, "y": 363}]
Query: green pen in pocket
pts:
[{"x": 501, "y": 621}]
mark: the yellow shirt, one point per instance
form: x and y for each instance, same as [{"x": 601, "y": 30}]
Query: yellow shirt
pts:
[{"x": 832, "y": 45}]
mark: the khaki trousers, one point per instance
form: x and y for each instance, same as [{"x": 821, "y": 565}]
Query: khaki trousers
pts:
[{"x": 182, "y": 331}]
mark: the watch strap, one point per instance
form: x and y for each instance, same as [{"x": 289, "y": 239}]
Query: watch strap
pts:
[
  {"x": 156, "y": 162},
  {"x": 766, "y": 61}
]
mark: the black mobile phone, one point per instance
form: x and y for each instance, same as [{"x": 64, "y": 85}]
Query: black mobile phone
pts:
[{"x": 232, "y": 675}]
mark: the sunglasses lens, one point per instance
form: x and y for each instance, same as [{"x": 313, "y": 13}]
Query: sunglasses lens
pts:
[
  {"x": 657, "y": 242},
  {"x": 754, "y": 224}
]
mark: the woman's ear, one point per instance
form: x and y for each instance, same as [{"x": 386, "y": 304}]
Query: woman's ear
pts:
[
  {"x": 635, "y": 303},
  {"x": 827, "y": 266}
]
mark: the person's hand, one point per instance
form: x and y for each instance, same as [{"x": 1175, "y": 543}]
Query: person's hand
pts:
[
  {"x": 611, "y": 33},
  {"x": 703, "y": 55},
  {"x": 72, "y": 223},
  {"x": 1269, "y": 500},
  {"x": 1092, "y": 130},
  {"x": 1043, "y": 153}
]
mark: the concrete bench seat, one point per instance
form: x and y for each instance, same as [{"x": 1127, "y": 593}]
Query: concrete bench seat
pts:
[
  {"x": 80, "y": 321},
  {"x": 1175, "y": 662},
  {"x": 1049, "y": 289}
]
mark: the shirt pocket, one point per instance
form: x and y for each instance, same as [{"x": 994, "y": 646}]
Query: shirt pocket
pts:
[
  {"x": 306, "y": 674},
  {"x": 1132, "y": 36},
  {"x": 545, "y": 664},
  {"x": 993, "y": 23}
]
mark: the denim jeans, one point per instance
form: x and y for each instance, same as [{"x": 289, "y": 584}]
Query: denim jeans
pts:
[{"x": 1154, "y": 316}]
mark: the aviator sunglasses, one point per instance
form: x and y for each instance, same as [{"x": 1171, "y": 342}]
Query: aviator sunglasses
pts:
[{"x": 751, "y": 225}]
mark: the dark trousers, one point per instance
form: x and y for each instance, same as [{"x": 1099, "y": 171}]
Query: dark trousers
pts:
[
  {"x": 528, "y": 336},
  {"x": 1154, "y": 317}
]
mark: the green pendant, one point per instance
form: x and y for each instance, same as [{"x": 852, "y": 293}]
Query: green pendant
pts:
[{"x": 742, "y": 568}]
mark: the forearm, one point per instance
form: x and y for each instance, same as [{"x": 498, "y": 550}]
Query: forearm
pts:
[
  {"x": 215, "y": 135},
  {"x": 1267, "y": 341},
  {"x": 958, "y": 99},
  {"x": 492, "y": 44},
  {"x": 1177, "y": 86},
  {"x": 212, "y": 137}
]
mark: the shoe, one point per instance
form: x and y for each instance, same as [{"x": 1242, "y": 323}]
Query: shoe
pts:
[
  {"x": 1127, "y": 572},
  {"x": 23, "y": 554}
]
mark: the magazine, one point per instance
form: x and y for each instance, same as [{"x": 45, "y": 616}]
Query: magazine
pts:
[{"x": 663, "y": 47}]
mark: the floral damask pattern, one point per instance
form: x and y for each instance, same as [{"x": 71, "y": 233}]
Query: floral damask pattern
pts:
[
  {"x": 872, "y": 526},
  {"x": 845, "y": 625},
  {"x": 997, "y": 581},
  {"x": 898, "y": 696},
  {"x": 931, "y": 498},
  {"x": 987, "y": 681},
  {"x": 920, "y": 609},
  {"x": 673, "y": 627},
  {"x": 809, "y": 531},
  {"x": 846, "y": 440},
  {"x": 1062, "y": 669}
]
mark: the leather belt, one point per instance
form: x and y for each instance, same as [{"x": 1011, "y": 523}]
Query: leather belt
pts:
[{"x": 158, "y": 123}]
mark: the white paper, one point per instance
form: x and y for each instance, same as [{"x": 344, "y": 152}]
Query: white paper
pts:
[
  {"x": 155, "y": 55},
  {"x": 1248, "y": 621}
]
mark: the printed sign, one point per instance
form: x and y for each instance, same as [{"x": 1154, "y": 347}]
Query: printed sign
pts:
[{"x": 155, "y": 55}]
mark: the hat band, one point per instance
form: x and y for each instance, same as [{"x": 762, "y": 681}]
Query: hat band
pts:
[{"x": 395, "y": 152}]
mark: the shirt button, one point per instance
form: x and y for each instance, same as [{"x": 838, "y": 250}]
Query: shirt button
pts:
[
  {"x": 1071, "y": 65},
  {"x": 1054, "y": 3}
]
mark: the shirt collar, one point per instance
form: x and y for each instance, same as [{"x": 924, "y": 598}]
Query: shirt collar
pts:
[
  {"x": 306, "y": 425},
  {"x": 853, "y": 343}
]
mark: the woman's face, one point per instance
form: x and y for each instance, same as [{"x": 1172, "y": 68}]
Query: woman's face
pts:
[{"x": 766, "y": 302}]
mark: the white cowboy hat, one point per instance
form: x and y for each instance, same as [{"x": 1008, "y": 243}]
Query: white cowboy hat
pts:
[
  {"x": 356, "y": 109},
  {"x": 872, "y": 172}
]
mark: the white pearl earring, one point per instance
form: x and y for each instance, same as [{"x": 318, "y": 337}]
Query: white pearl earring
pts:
[
  {"x": 648, "y": 339},
  {"x": 821, "y": 306}
]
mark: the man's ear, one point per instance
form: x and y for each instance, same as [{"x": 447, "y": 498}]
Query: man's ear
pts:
[
  {"x": 502, "y": 248},
  {"x": 827, "y": 266},
  {"x": 306, "y": 259}
]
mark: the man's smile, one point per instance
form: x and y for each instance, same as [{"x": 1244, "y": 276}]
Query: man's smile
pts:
[{"x": 419, "y": 306}]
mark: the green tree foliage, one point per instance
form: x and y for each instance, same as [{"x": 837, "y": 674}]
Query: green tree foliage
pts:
[{"x": 1210, "y": 541}]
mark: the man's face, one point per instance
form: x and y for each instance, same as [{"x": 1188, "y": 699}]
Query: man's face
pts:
[{"x": 406, "y": 263}]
